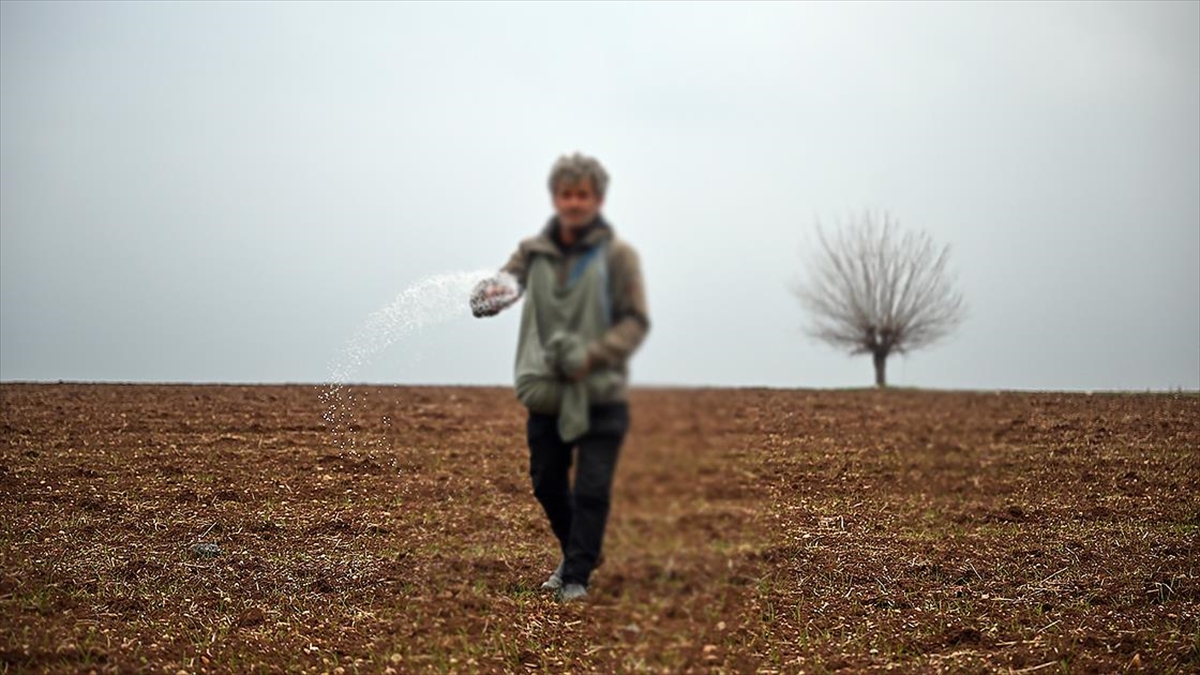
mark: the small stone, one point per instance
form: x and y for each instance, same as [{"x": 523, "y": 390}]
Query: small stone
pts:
[{"x": 206, "y": 550}]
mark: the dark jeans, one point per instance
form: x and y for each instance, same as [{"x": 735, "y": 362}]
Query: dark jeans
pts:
[{"x": 577, "y": 516}]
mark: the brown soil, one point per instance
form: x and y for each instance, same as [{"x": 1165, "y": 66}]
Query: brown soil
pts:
[{"x": 752, "y": 531}]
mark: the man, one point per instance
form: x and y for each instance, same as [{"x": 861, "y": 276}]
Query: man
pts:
[{"x": 584, "y": 316}]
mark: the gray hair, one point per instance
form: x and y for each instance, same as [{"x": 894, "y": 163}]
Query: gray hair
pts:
[{"x": 574, "y": 168}]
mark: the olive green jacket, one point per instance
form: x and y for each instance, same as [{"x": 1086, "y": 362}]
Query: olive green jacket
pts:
[{"x": 629, "y": 320}]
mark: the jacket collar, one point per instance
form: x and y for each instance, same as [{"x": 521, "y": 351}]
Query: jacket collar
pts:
[{"x": 594, "y": 233}]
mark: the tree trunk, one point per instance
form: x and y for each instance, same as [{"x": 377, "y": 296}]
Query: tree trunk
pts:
[{"x": 881, "y": 369}]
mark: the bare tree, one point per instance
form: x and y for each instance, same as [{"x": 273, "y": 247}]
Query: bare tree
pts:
[{"x": 874, "y": 289}]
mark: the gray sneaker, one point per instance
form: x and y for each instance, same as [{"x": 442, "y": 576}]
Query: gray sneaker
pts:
[
  {"x": 555, "y": 581},
  {"x": 572, "y": 592}
]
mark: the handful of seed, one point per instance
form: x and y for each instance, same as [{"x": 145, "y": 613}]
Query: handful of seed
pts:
[{"x": 493, "y": 294}]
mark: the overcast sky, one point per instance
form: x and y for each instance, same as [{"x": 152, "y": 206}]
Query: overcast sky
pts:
[{"x": 225, "y": 192}]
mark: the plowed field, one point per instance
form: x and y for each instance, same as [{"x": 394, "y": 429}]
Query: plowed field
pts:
[{"x": 753, "y": 531}]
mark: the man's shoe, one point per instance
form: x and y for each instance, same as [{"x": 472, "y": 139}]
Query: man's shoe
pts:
[
  {"x": 572, "y": 592},
  {"x": 555, "y": 581}
]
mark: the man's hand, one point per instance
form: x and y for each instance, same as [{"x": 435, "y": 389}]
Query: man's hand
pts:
[
  {"x": 583, "y": 372},
  {"x": 489, "y": 298}
]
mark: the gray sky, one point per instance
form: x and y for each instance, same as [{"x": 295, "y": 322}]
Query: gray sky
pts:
[{"x": 226, "y": 191}]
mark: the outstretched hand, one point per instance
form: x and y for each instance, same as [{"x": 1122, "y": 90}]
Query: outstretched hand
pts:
[{"x": 489, "y": 298}]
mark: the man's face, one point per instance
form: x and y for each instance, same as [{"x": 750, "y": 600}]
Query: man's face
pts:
[{"x": 576, "y": 203}]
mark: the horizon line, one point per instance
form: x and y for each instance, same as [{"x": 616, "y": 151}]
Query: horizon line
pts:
[{"x": 633, "y": 387}]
